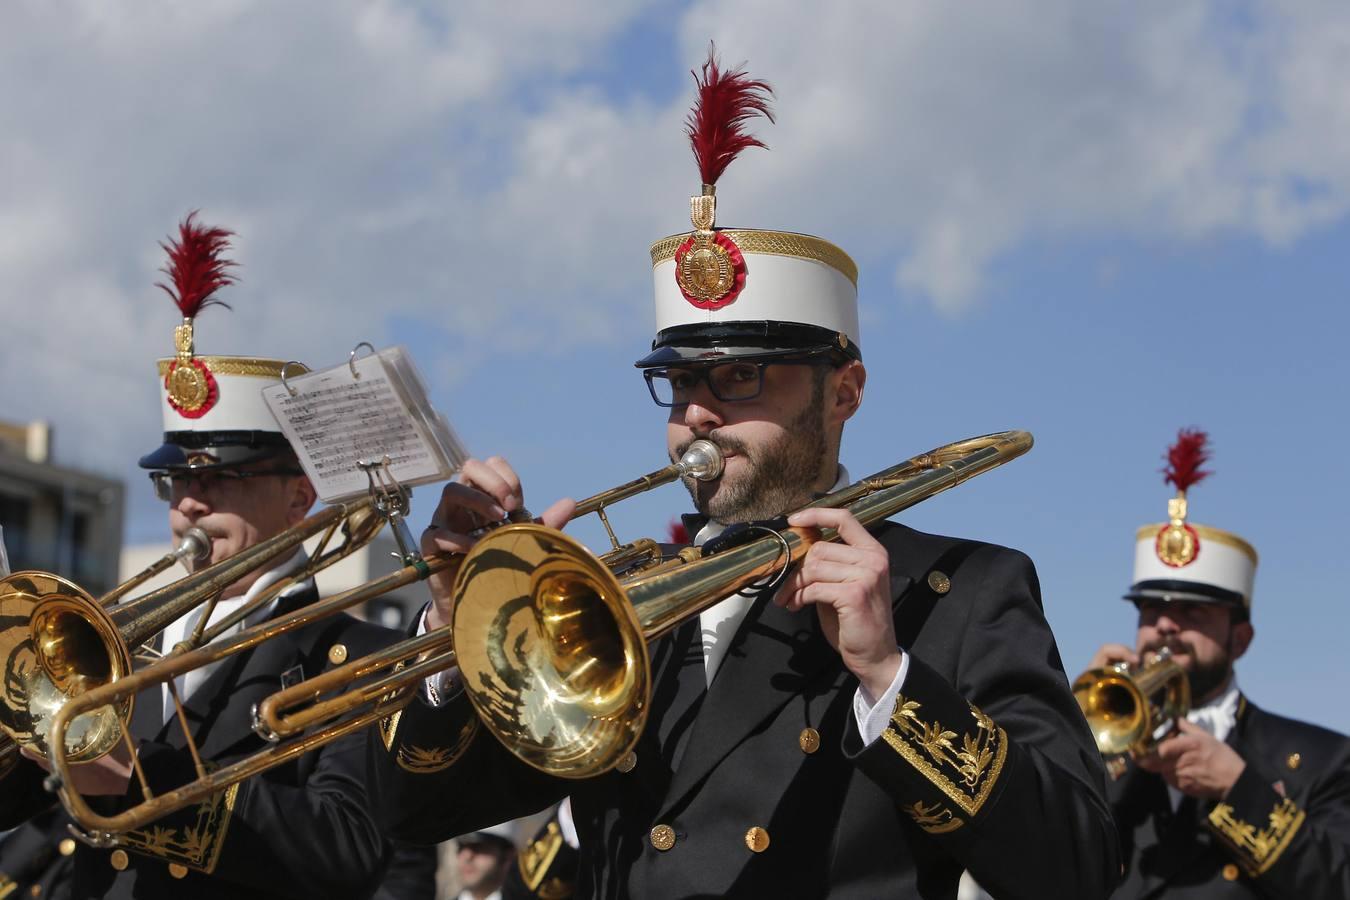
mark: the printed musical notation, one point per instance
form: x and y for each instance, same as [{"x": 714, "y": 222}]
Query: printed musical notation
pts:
[{"x": 372, "y": 408}]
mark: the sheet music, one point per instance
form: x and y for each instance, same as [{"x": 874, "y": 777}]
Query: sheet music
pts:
[{"x": 372, "y": 408}]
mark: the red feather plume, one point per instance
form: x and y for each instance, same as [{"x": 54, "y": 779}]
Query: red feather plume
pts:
[
  {"x": 678, "y": 533},
  {"x": 716, "y": 125},
  {"x": 196, "y": 266},
  {"x": 1185, "y": 457}
]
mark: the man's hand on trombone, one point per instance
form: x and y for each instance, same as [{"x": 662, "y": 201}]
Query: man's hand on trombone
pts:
[
  {"x": 485, "y": 492},
  {"x": 107, "y": 776}
]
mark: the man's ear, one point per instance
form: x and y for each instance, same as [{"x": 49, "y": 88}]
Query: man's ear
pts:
[
  {"x": 848, "y": 383},
  {"x": 1239, "y": 639},
  {"x": 302, "y": 497}
]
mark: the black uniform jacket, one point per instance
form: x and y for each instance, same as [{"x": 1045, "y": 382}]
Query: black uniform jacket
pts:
[
  {"x": 762, "y": 787},
  {"x": 304, "y": 829},
  {"x": 1283, "y": 832},
  {"x": 35, "y": 858}
]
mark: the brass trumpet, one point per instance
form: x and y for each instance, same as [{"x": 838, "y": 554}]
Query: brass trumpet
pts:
[
  {"x": 339, "y": 716},
  {"x": 553, "y": 647},
  {"x": 1130, "y": 710}
]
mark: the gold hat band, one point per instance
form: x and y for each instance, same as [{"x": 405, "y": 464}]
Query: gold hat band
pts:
[
  {"x": 771, "y": 243},
  {"x": 241, "y": 365},
  {"x": 1206, "y": 533}
]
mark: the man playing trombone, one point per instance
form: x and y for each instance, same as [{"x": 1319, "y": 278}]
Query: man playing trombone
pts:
[
  {"x": 1228, "y": 800},
  {"x": 893, "y": 713},
  {"x": 229, "y": 477}
]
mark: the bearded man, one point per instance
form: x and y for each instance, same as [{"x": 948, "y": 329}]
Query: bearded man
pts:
[
  {"x": 1236, "y": 802},
  {"x": 894, "y": 713}
]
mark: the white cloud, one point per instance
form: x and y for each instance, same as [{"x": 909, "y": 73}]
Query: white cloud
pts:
[{"x": 460, "y": 163}]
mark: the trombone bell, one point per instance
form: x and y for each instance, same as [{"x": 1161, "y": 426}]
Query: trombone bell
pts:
[
  {"x": 563, "y": 677},
  {"x": 70, "y": 646}
]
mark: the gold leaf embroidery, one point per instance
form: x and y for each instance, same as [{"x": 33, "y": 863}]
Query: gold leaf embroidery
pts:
[
  {"x": 967, "y": 775},
  {"x": 426, "y": 760},
  {"x": 933, "y": 819},
  {"x": 1258, "y": 849},
  {"x": 197, "y": 846}
]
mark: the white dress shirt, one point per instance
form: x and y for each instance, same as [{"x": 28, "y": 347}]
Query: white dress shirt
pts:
[
  {"x": 720, "y": 622},
  {"x": 182, "y": 627}
]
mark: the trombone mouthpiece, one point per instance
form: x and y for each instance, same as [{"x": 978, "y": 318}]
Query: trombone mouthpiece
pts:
[
  {"x": 195, "y": 546},
  {"x": 702, "y": 461}
]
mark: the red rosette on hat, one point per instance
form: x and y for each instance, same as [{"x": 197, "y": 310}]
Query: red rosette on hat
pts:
[{"x": 711, "y": 276}]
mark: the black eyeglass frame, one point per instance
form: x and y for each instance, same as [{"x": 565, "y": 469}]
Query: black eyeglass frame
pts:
[
  {"x": 824, "y": 356},
  {"x": 163, "y": 479}
]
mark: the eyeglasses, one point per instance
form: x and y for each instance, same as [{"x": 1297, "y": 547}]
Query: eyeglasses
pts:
[
  {"x": 210, "y": 483},
  {"x": 729, "y": 382}
]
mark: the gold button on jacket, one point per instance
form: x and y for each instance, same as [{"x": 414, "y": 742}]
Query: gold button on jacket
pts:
[
  {"x": 663, "y": 837},
  {"x": 939, "y": 582},
  {"x": 809, "y": 740},
  {"x": 757, "y": 839},
  {"x": 119, "y": 860}
]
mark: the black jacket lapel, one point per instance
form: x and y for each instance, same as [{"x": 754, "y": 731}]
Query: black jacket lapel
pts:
[{"x": 774, "y": 655}]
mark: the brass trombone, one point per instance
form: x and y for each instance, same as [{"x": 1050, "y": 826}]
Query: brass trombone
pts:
[
  {"x": 285, "y": 713},
  {"x": 65, "y": 643},
  {"x": 381, "y": 699},
  {"x": 1129, "y": 709},
  {"x": 553, "y": 647},
  {"x": 195, "y": 546}
]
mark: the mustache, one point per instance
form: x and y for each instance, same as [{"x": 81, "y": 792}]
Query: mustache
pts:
[
  {"x": 1175, "y": 646},
  {"x": 725, "y": 442}
]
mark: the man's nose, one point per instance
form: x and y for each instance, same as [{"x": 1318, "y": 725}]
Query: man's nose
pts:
[
  {"x": 702, "y": 413},
  {"x": 193, "y": 504}
]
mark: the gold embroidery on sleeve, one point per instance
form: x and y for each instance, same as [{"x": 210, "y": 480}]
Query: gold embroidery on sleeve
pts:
[
  {"x": 1258, "y": 850},
  {"x": 198, "y": 846},
  {"x": 426, "y": 760},
  {"x": 933, "y": 819},
  {"x": 536, "y": 858},
  {"x": 966, "y": 775}
]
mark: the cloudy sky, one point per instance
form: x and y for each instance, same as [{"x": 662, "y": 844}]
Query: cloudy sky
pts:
[{"x": 1098, "y": 221}]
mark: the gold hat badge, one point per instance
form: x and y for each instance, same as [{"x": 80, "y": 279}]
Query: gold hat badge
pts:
[
  {"x": 197, "y": 269},
  {"x": 1178, "y": 544},
  {"x": 709, "y": 267}
]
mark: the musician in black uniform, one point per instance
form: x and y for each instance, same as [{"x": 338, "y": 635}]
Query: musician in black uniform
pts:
[
  {"x": 895, "y": 713},
  {"x": 1236, "y": 802},
  {"x": 304, "y": 829}
]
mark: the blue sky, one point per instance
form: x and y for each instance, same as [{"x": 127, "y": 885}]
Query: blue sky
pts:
[{"x": 1092, "y": 222}]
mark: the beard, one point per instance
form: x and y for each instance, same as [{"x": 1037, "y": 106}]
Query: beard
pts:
[
  {"x": 1204, "y": 678},
  {"x": 781, "y": 474}
]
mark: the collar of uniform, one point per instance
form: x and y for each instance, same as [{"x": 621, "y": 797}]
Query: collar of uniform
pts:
[
  {"x": 1219, "y": 715},
  {"x": 719, "y": 624}
]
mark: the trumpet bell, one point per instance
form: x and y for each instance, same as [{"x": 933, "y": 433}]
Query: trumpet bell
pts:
[
  {"x": 1130, "y": 710},
  {"x": 562, "y": 677},
  {"x": 65, "y": 645}
]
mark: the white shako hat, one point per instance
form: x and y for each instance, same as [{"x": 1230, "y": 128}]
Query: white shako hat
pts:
[
  {"x": 214, "y": 414},
  {"x": 1180, "y": 560},
  {"x": 744, "y": 293}
]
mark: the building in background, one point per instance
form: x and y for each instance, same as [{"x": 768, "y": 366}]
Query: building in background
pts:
[{"x": 57, "y": 519}]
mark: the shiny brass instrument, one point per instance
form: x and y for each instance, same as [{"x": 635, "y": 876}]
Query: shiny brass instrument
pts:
[
  {"x": 1130, "y": 710},
  {"x": 63, "y": 643},
  {"x": 350, "y": 712},
  {"x": 294, "y": 709},
  {"x": 552, "y": 646},
  {"x": 194, "y": 547}
]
